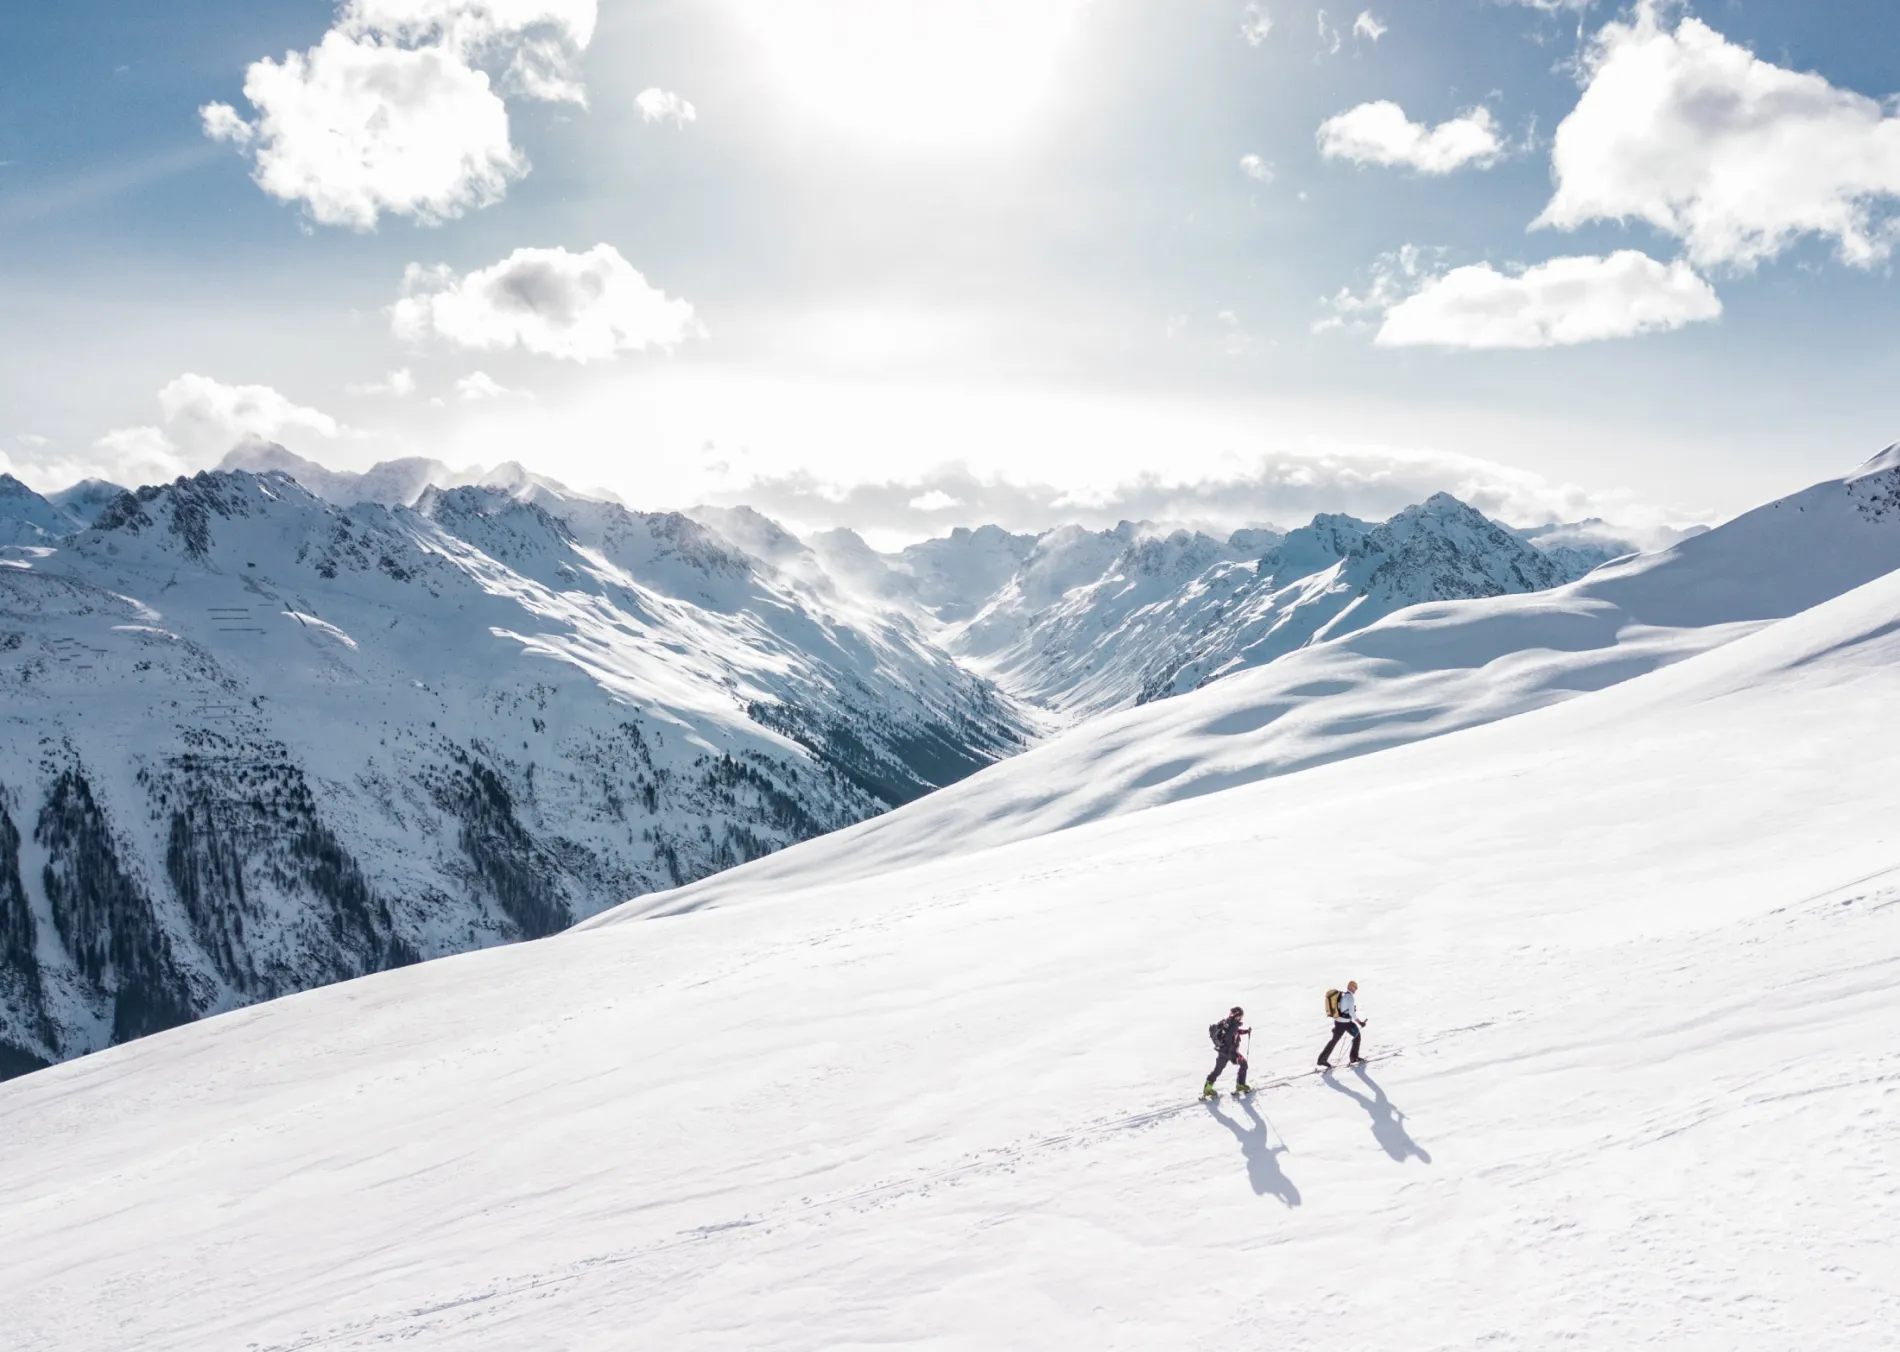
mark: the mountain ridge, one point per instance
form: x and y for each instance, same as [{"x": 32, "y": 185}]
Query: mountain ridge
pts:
[{"x": 252, "y": 741}]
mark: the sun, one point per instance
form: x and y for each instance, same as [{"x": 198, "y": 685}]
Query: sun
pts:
[{"x": 915, "y": 72}]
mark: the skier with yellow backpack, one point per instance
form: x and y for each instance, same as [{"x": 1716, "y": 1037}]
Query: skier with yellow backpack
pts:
[{"x": 1343, "y": 1008}]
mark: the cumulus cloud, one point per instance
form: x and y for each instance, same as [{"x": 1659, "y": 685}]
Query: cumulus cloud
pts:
[
  {"x": 1282, "y": 486},
  {"x": 1415, "y": 301},
  {"x": 1365, "y": 26},
  {"x": 659, "y": 105},
  {"x": 202, "y": 419},
  {"x": 222, "y": 123},
  {"x": 399, "y": 108},
  {"x": 479, "y": 385},
  {"x": 207, "y": 416},
  {"x": 1735, "y": 156},
  {"x": 1256, "y": 169},
  {"x": 1255, "y": 24},
  {"x": 1380, "y": 133},
  {"x": 579, "y": 307},
  {"x": 400, "y": 383},
  {"x": 534, "y": 46},
  {"x": 134, "y": 456},
  {"x": 1554, "y": 304}
]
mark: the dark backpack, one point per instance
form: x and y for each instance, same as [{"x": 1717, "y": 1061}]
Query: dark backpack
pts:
[{"x": 1217, "y": 1034}]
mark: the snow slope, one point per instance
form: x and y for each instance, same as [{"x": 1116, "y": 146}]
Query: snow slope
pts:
[
  {"x": 1636, "y": 952},
  {"x": 251, "y": 742},
  {"x": 1420, "y": 673}
]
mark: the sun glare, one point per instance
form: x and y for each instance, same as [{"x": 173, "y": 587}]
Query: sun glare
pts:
[{"x": 916, "y": 72}]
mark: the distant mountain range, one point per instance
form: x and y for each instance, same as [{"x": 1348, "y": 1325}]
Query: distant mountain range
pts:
[{"x": 275, "y": 725}]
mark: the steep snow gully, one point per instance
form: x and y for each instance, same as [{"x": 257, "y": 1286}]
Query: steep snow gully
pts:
[{"x": 1636, "y": 950}]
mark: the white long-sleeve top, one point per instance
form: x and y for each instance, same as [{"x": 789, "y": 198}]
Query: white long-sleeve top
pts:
[{"x": 1348, "y": 1006}]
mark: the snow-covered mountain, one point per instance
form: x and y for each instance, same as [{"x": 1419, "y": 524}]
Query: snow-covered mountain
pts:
[
  {"x": 28, "y": 519},
  {"x": 84, "y": 500},
  {"x": 252, "y": 741},
  {"x": 1418, "y": 674},
  {"x": 1629, "y": 959},
  {"x": 1095, "y": 621}
]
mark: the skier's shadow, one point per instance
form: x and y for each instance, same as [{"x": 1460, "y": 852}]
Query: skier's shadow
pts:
[
  {"x": 1263, "y": 1170},
  {"x": 1388, "y": 1123}
]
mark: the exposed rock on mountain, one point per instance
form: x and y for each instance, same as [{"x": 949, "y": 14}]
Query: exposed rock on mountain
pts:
[
  {"x": 1100, "y": 620},
  {"x": 252, "y": 741}
]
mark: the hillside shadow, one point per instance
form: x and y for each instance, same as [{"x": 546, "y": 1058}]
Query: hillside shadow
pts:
[
  {"x": 1388, "y": 1123},
  {"x": 1263, "y": 1169}
]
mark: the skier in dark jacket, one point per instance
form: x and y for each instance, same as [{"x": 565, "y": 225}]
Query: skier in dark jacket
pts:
[
  {"x": 1227, "y": 1034},
  {"x": 1345, "y": 1023}
]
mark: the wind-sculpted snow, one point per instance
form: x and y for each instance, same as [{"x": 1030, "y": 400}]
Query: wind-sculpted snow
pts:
[
  {"x": 1630, "y": 962},
  {"x": 1419, "y": 673},
  {"x": 252, "y": 742}
]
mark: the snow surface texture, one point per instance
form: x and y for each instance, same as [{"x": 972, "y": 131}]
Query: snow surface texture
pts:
[
  {"x": 1635, "y": 953},
  {"x": 251, "y": 742},
  {"x": 1423, "y": 672}
]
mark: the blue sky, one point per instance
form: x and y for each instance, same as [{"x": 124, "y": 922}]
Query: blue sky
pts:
[{"x": 909, "y": 264}]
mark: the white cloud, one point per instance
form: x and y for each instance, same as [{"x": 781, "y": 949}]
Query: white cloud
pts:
[
  {"x": 1255, "y": 24},
  {"x": 1365, "y": 26},
  {"x": 399, "y": 107},
  {"x": 1735, "y": 156},
  {"x": 659, "y": 105},
  {"x": 535, "y": 45},
  {"x": 1256, "y": 168},
  {"x": 1395, "y": 276},
  {"x": 1554, "y": 304},
  {"x": 478, "y": 385},
  {"x": 400, "y": 383},
  {"x": 222, "y": 123},
  {"x": 936, "y": 500},
  {"x": 1380, "y": 133},
  {"x": 1329, "y": 38},
  {"x": 205, "y": 416},
  {"x": 133, "y": 456},
  {"x": 203, "y": 419},
  {"x": 578, "y": 307}
]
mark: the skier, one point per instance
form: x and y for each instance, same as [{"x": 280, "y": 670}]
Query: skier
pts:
[
  {"x": 1226, "y": 1036},
  {"x": 1344, "y": 1007}
]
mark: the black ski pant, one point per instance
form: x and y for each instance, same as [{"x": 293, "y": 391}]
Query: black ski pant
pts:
[
  {"x": 1341, "y": 1027},
  {"x": 1221, "y": 1063}
]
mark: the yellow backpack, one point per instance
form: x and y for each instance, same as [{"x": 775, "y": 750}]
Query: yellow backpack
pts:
[{"x": 1332, "y": 1004}]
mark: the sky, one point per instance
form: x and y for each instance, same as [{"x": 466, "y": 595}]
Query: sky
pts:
[{"x": 909, "y": 264}]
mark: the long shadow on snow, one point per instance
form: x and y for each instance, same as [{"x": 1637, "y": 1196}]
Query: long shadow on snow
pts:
[
  {"x": 1263, "y": 1170},
  {"x": 1388, "y": 1123}
]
